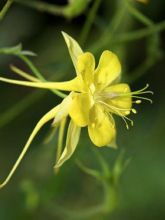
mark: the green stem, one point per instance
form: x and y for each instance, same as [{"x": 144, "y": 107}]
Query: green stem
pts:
[
  {"x": 101, "y": 210},
  {"x": 110, "y": 197},
  {"x": 32, "y": 67},
  {"x": 72, "y": 9},
  {"x": 136, "y": 35},
  {"x": 5, "y": 8},
  {"x": 112, "y": 28},
  {"x": 43, "y": 6},
  {"x": 138, "y": 15},
  {"x": 89, "y": 21},
  {"x": 20, "y": 107},
  {"x": 153, "y": 47},
  {"x": 39, "y": 75}
]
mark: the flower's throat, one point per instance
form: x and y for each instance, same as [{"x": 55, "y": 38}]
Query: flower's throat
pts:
[
  {"x": 105, "y": 98},
  {"x": 92, "y": 89}
]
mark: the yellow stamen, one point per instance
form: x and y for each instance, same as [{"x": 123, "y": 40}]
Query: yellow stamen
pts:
[{"x": 134, "y": 110}]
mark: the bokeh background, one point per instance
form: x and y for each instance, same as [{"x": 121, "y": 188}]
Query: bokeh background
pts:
[{"x": 134, "y": 31}]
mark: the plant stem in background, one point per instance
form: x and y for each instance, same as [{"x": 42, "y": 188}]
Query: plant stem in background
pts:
[
  {"x": 89, "y": 21},
  {"x": 136, "y": 35},
  {"x": 39, "y": 75},
  {"x": 34, "y": 70},
  {"x": 21, "y": 106},
  {"x": 138, "y": 15},
  {"x": 153, "y": 49},
  {"x": 43, "y": 6},
  {"x": 111, "y": 29},
  {"x": 5, "y": 8},
  {"x": 72, "y": 9}
]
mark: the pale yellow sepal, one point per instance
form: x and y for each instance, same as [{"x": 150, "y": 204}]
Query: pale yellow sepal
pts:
[
  {"x": 72, "y": 140},
  {"x": 48, "y": 116},
  {"x": 63, "y": 109},
  {"x": 113, "y": 144},
  {"x": 74, "y": 49},
  {"x": 61, "y": 134}
]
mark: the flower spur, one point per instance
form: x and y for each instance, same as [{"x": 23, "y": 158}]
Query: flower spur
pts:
[{"x": 95, "y": 95}]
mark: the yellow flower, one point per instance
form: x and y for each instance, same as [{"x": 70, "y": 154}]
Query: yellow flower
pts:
[{"x": 95, "y": 95}]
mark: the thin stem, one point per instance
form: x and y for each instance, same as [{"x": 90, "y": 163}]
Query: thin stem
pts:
[
  {"x": 89, "y": 21},
  {"x": 5, "y": 8},
  {"x": 138, "y": 15},
  {"x": 32, "y": 67},
  {"x": 21, "y": 106},
  {"x": 136, "y": 35},
  {"x": 153, "y": 46},
  {"x": 105, "y": 208},
  {"x": 110, "y": 197},
  {"x": 39, "y": 75},
  {"x": 72, "y": 9},
  {"x": 112, "y": 28},
  {"x": 43, "y": 6}
]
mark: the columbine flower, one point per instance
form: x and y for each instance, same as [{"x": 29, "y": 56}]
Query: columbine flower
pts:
[{"x": 95, "y": 95}]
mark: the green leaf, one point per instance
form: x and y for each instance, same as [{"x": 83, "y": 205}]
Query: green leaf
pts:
[
  {"x": 16, "y": 50},
  {"x": 119, "y": 166}
]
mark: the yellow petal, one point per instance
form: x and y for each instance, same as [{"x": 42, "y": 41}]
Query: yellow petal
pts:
[
  {"x": 50, "y": 115},
  {"x": 74, "y": 49},
  {"x": 101, "y": 129},
  {"x": 86, "y": 66},
  {"x": 72, "y": 85},
  {"x": 79, "y": 109},
  {"x": 73, "y": 136},
  {"x": 108, "y": 70},
  {"x": 120, "y": 102}
]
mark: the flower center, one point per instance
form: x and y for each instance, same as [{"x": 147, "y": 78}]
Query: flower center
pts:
[
  {"x": 116, "y": 102},
  {"x": 92, "y": 88}
]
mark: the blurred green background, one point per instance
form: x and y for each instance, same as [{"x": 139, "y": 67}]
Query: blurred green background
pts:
[{"x": 135, "y": 32}]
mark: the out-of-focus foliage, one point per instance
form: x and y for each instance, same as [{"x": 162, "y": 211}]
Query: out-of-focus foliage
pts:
[{"x": 135, "y": 32}]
